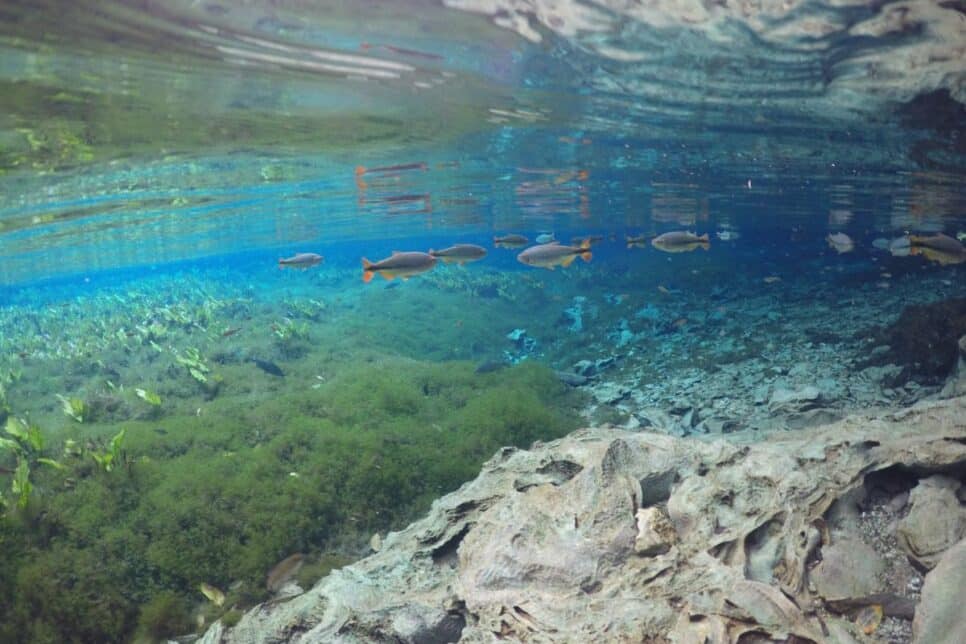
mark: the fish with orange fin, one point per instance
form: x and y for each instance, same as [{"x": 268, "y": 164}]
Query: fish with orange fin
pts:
[
  {"x": 554, "y": 254},
  {"x": 938, "y": 248},
  {"x": 593, "y": 239},
  {"x": 400, "y": 264},
  {"x": 680, "y": 241},
  {"x": 459, "y": 253},
  {"x": 510, "y": 241},
  {"x": 300, "y": 261}
]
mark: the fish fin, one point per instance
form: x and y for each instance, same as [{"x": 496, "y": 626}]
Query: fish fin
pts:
[
  {"x": 366, "y": 264},
  {"x": 367, "y": 276},
  {"x": 704, "y": 238},
  {"x": 432, "y": 252},
  {"x": 704, "y": 245},
  {"x": 584, "y": 245},
  {"x": 387, "y": 276},
  {"x": 568, "y": 261},
  {"x": 586, "y": 255},
  {"x": 360, "y": 170}
]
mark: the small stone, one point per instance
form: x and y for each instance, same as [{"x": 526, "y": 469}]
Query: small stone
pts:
[{"x": 655, "y": 534}]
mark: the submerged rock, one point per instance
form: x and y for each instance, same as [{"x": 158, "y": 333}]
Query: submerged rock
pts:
[
  {"x": 939, "y": 619},
  {"x": 936, "y": 520},
  {"x": 609, "y": 535}
]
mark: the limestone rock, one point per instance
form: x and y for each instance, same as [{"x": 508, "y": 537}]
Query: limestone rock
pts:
[
  {"x": 655, "y": 534},
  {"x": 939, "y": 618},
  {"x": 848, "y": 569},
  {"x": 936, "y": 520},
  {"x": 543, "y": 546}
]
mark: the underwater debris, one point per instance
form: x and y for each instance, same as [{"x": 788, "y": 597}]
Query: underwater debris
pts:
[
  {"x": 553, "y": 254},
  {"x": 213, "y": 594},
  {"x": 301, "y": 261},
  {"x": 284, "y": 571},
  {"x": 399, "y": 264},
  {"x": 679, "y": 241}
]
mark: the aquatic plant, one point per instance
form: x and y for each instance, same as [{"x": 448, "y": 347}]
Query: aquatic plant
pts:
[
  {"x": 148, "y": 396},
  {"x": 73, "y": 407},
  {"x": 109, "y": 459},
  {"x": 191, "y": 359},
  {"x": 164, "y": 616},
  {"x": 288, "y": 330},
  {"x": 27, "y": 445}
]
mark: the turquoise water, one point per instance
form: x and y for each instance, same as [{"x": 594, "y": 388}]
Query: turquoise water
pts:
[{"x": 179, "y": 411}]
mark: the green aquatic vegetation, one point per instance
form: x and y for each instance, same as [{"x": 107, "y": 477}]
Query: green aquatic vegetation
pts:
[
  {"x": 288, "y": 330},
  {"x": 148, "y": 396},
  {"x": 73, "y": 407},
  {"x": 109, "y": 459},
  {"x": 27, "y": 446},
  {"x": 164, "y": 616},
  {"x": 192, "y": 361}
]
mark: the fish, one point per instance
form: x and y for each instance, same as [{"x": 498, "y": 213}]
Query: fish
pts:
[
  {"x": 361, "y": 169},
  {"x": 938, "y": 241},
  {"x": 399, "y": 264},
  {"x": 545, "y": 238},
  {"x": 510, "y": 241},
  {"x": 771, "y": 279},
  {"x": 841, "y": 242},
  {"x": 679, "y": 241},
  {"x": 554, "y": 254},
  {"x": 944, "y": 256},
  {"x": 636, "y": 241},
  {"x": 899, "y": 247},
  {"x": 300, "y": 260},
  {"x": 727, "y": 235},
  {"x": 593, "y": 239},
  {"x": 214, "y": 595},
  {"x": 230, "y": 332},
  {"x": 269, "y": 367},
  {"x": 571, "y": 379},
  {"x": 961, "y": 236},
  {"x": 284, "y": 571},
  {"x": 459, "y": 253}
]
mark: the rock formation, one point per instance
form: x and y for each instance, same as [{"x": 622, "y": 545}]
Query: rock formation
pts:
[{"x": 615, "y": 536}]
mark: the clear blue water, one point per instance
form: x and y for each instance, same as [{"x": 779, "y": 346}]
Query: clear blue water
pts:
[{"x": 157, "y": 159}]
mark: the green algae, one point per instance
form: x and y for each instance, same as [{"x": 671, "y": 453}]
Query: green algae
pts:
[{"x": 360, "y": 437}]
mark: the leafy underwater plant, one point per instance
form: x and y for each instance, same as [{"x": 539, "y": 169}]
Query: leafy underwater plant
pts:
[
  {"x": 288, "y": 330},
  {"x": 74, "y": 408},
  {"x": 109, "y": 459},
  {"x": 148, "y": 396},
  {"x": 27, "y": 444},
  {"x": 191, "y": 359}
]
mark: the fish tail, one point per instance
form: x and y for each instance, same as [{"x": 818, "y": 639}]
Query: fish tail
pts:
[
  {"x": 584, "y": 245},
  {"x": 586, "y": 255},
  {"x": 360, "y": 170},
  {"x": 704, "y": 238},
  {"x": 367, "y": 271},
  {"x": 432, "y": 252}
]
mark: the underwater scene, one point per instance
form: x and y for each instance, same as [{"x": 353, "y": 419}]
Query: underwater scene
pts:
[{"x": 482, "y": 320}]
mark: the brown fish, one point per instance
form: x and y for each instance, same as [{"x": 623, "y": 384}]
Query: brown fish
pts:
[
  {"x": 679, "y": 241},
  {"x": 938, "y": 248},
  {"x": 459, "y": 253},
  {"x": 554, "y": 254},
  {"x": 511, "y": 241},
  {"x": 301, "y": 261},
  {"x": 284, "y": 571},
  {"x": 403, "y": 265}
]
